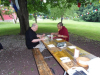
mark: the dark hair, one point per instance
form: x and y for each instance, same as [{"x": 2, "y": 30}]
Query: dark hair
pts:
[{"x": 60, "y": 23}]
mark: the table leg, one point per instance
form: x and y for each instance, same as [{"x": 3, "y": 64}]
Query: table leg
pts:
[{"x": 65, "y": 73}]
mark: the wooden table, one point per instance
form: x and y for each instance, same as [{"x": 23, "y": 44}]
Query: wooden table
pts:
[{"x": 65, "y": 52}]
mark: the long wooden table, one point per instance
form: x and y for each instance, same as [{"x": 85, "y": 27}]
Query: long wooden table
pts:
[{"x": 65, "y": 52}]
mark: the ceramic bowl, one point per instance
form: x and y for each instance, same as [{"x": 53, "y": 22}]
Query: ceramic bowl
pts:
[{"x": 82, "y": 61}]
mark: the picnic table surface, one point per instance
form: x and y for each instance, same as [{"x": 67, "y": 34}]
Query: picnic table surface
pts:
[{"x": 65, "y": 52}]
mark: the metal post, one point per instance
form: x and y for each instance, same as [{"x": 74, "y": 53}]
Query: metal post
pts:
[{"x": 65, "y": 73}]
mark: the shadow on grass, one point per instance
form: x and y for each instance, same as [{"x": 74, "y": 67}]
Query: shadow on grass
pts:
[{"x": 9, "y": 31}]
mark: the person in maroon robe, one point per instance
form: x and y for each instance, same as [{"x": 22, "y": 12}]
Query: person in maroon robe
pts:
[{"x": 62, "y": 33}]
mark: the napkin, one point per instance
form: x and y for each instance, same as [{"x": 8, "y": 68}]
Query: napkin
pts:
[
  {"x": 49, "y": 35},
  {"x": 59, "y": 39},
  {"x": 51, "y": 45},
  {"x": 72, "y": 47},
  {"x": 65, "y": 59}
]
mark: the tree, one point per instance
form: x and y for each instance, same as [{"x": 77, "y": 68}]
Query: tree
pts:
[
  {"x": 22, "y": 13},
  {"x": 90, "y": 13},
  {"x": 71, "y": 12},
  {"x": 1, "y": 15},
  {"x": 10, "y": 11},
  {"x": 37, "y": 6},
  {"x": 27, "y": 6},
  {"x": 56, "y": 14},
  {"x": 64, "y": 12}
]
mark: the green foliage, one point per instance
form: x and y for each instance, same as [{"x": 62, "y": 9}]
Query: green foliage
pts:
[
  {"x": 62, "y": 12},
  {"x": 58, "y": 13},
  {"x": 8, "y": 12},
  {"x": 61, "y": 6},
  {"x": 36, "y": 6},
  {"x": 93, "y": 16},
  {"x": 71, "y": 12},
  {"x": 5, "y": 2},
  {"x": 31, "y": 17}
]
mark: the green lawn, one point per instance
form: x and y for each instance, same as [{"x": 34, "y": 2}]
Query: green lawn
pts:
[
  {"x": 88, "y": 29},
  {"x": 8, "y": 28}
]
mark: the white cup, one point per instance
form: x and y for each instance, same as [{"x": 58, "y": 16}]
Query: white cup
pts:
[{"x": 51, "y": 37}]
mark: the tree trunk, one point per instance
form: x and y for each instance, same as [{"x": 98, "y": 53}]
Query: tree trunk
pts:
[
  {"x": 61, "y": 18},
  {"x": 35, "y": 17},
  {"x": 22, "y": 14},
  {"x": 13, "y": 18},
  {"x": 1, "y": 15}
]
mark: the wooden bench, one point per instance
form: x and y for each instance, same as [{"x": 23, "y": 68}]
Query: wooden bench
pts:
[{"x": 41, "y": 64}]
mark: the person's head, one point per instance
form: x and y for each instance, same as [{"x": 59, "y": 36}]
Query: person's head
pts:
[
  {"x": 34, "y": 27},
  {"x": 60, "y": 25}
]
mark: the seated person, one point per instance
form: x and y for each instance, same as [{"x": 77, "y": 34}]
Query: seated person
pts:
[
  {"x": 62, "y": 33},
  {"x": 32, "y": 40}
]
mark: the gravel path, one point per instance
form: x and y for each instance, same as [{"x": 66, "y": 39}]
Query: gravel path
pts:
[
  {"x": 86, "y": 44},
  {"x": 16, "y": 59}
]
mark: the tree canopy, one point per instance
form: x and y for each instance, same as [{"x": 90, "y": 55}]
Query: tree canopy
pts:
[
  {"x": 41, "y": 6},
  {"x": 34, "y": 6},
  {"x": 90, "y": 13}
]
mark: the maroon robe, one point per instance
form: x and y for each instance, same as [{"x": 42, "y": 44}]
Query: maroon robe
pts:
[{"x": 64, "y": 31}]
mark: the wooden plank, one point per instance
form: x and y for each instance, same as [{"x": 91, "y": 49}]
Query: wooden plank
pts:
[
  {"x": 57, "y": 53},
  {"x": 66, "y": 52},
  {"x": 41, "y": 64}
]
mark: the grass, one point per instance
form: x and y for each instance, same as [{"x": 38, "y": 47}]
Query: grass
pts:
[
  {"x": 9, "y": 28},
  {"x": 90, "y": 30}
]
